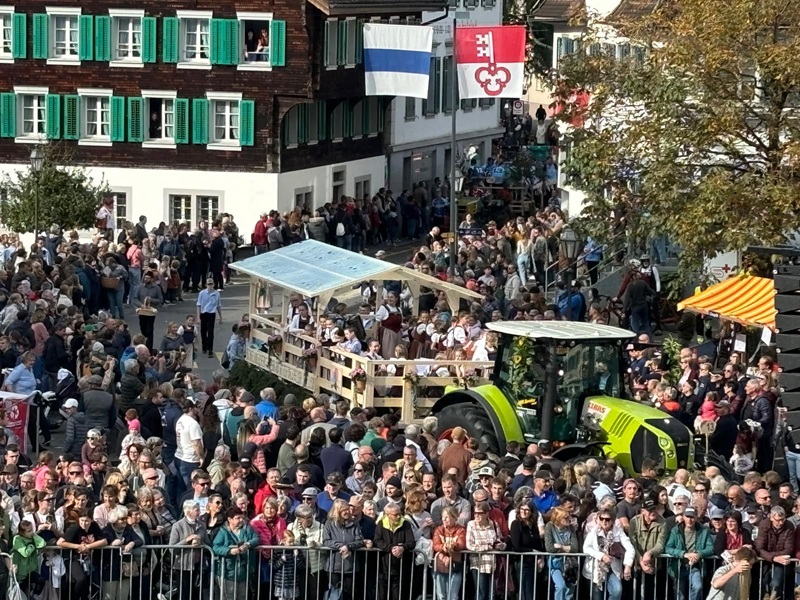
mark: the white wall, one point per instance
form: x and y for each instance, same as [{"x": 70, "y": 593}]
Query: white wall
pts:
[
  {"x": 321, "y": 180},
  {"x": 422, "y": 128},
  {"x": 245, "y": 195}
]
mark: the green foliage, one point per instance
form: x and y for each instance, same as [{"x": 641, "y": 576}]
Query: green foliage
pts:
[
  {"x": 701, "y": 116},
  {"x": 68, "y": 197},
  {"x": 672, "y": 351},
  {"x": 253, "y": 379}
]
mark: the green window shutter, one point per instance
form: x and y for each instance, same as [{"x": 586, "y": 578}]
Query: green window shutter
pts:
[
  {"x": 117, "y": 119},
  {"x": 135, "y": 132},
  {"x": 102, "y": 38},
  {"x": 302, "y": 124},
  {"x": 53, "y": 125},
  {"x": 8, "y": 115},
  {"x": 341, "y": 47},
  {"x": 247, "y": 125},
  {"x": 72, "y": 110},
  {"x": 322, "y": 120},
  {"x": 149, "y": 40},
  {"x": 277, "y": 44},
  {"x": 365, "y": 129},
  {"x": 86, "y": 37},
  {"x": 325, "y": 37},
  {"x": 19, "y": 35},
  {"x": 169, "y": 39},
  {"x": 200, "y": 121},
  {"x": 219, "y": 42},
  {"x": 359, "y": 41},
  {"x": 41, "y": 34},
  {"x": 381, "y": 113},
  {"x": 347, "y": 119},
  {"x": 235, "y": 43},
  {"x": 181, "y": 121}
]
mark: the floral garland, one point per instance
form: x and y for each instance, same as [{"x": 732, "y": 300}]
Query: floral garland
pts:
[
  {"x": 520, "y": 362},
  {"x": 468, "y": 380}
]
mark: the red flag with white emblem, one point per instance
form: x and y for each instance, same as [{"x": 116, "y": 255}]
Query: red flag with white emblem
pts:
[{"x": 490, "y": 61}]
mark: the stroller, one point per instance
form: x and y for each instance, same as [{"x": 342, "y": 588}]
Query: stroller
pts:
[{"x": 67, "y": 387}]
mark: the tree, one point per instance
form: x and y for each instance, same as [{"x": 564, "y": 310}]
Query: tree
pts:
[
  {"x": 68, "y": 197},
  {"x": 700, "y": 112}
]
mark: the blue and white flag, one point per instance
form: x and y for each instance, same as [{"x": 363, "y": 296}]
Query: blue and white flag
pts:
[{"x": 397, "y": 59}]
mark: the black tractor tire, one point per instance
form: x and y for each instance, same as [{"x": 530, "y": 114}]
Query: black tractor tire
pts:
[{"x": 474, "y": 419}]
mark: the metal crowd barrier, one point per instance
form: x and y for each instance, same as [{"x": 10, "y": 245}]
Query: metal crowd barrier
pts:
[{"x": 160, "y": 572}]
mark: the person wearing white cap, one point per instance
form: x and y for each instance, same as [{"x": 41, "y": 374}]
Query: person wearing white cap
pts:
[{"x": 77, "y": 427}]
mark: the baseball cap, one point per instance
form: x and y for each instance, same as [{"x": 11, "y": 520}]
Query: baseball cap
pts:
[
  {"x": 95, "y": 380},
  {"x": 310, "y": 492},
  {"x": 690, "y": 512},
  {"x": 543, "y": 474},
  {"x": 528, "y": 461},
  {"x": 649, "y": 504},
  {"x": 380, "y": 254},
  {"x": 714, "y": 512},
  {"x": 70, "y": 403},
  {"x": 486, "y": 472}
]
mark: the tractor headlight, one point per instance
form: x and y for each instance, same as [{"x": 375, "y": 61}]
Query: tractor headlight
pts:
[
  {"x": 663, "y": 442},
  {"x": 670, "y": 454}
]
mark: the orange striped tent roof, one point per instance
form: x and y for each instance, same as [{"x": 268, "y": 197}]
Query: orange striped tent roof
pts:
[{"x": 746, "y": 300}]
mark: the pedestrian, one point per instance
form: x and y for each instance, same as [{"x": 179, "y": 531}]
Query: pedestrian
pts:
[
  {"x": 209, "y": 305},
  {"x": 147, "y": 298}
]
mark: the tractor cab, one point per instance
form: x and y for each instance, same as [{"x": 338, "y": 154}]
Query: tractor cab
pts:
[{"x": 558, "y": 364}]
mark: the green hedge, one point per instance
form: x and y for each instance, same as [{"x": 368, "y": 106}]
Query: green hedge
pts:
[{"x": 253, "y": 379}]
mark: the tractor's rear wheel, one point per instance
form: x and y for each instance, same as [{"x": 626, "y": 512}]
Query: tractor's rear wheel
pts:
[{"x": 474, "y": 419}]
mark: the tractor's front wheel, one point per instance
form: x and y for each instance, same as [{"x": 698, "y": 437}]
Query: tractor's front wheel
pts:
[{"x": 474, "y": 419}]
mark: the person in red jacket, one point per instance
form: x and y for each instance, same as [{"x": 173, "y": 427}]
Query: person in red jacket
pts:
[{"x": 259, "y": 237}]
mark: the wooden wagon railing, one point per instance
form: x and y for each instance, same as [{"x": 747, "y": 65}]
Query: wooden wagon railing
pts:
[{"x": 300, "y": 359}]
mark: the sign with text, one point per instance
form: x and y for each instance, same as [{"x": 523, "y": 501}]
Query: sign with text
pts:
[{"x": 17, "y": 415}]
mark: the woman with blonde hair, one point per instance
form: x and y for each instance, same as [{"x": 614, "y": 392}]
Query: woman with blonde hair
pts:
[
  {"x": 417, "y": 514},
  {"x": 561, "y": 538}
]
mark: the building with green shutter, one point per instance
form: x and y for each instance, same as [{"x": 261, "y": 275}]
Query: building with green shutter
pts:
[{"x": 196, "y": 107}]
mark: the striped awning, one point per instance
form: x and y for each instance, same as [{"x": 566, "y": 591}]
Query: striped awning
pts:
[{"x": 744, "y": 299}]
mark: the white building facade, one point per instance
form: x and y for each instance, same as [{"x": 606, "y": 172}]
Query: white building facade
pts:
[{"x": 419, "y": 131}]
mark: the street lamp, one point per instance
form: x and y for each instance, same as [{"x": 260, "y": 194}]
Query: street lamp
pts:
[
  {"x": 569, "y": 247},
  {"x": 37, "y": 162}
]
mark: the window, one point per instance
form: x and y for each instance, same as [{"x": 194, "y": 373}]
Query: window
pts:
[
  {"x": 6, "y": 34},
  {"x": 489, "y": 3},
  {"x": 486, "y": 102},
  {"x": 163, "y": 119},
  {"x": 411, "y": 108},
  {"x": 373, "y": 115},
  {"x": 97, "y": 117},
  {"x": 226, "y": 121},
  {"x": 128, "y": 38},
  {"x": 180, "y": 208},
  {"x": 207, "y": 207},
  {"x": 338, "y": 184},
  {"x": 304, "y": 197},
  {"x": 62, "y": 35},
  {"x": 362, "y": 187},
  {"x": 223, "y": 121},
  {"x": 262, "y": 42},
  {"x": 65, "y": 36},
  {"x": 469, "y": 103},
  {"x": 291, "y": 127},
  {"x": 194, "y": 43},
  {"x": 121, "y": 204},
  {"x": 34, "y": 114}
]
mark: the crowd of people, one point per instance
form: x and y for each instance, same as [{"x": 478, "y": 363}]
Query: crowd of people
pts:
[{"x": 287, "y": 499}]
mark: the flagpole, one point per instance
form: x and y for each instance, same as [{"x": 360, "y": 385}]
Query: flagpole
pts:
[{"x": 453, "y": 200}]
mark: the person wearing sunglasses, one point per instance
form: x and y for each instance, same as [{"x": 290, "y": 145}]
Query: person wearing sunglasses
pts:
[
  {"x": 610, "y": 559},
  {"x": 690, "y": 542}
]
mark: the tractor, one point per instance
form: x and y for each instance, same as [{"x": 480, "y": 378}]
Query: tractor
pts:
[{"x": 565, "y": 382}]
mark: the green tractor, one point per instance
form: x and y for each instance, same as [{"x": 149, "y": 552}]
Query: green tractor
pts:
[{"x": 563, "y": 381}]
